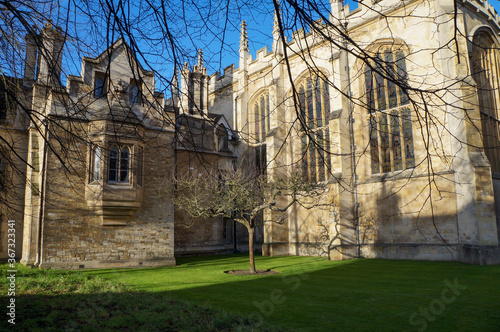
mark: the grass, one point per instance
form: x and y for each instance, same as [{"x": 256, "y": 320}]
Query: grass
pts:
[
  {"x": 51, "y": 300},
  {"x": 309, "y": 294}
]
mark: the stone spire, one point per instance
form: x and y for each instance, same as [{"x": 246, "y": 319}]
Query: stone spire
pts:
[
  {"x": 275, "y": 22},
  {"x": 244, "y": 37},
  {"x": 277, "y": 43},
  {"x": 199, "y": 67},
  {"x": 175, "y": 88},
  {"x": 244, "y": 52},
  {"x": 200, "y": 58}
]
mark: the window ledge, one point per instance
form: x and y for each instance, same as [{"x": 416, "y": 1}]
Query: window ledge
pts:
[
  {"x": 120, "y": 185},
  {"x": 399, "y": 175}
]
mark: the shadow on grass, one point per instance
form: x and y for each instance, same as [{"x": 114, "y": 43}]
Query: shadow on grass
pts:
[
  {"x": 364, "y": 295},
  {"x": 310, "y": 294},
  {"x": 132, "y": 311}
]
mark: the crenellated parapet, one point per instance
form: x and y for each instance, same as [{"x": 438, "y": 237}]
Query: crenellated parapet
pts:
[
  {"x": 218, "y": 81},
  {"x": 485, "y": 9}
]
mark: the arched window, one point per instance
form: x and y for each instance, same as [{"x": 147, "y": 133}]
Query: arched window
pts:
[
  {"x": 222, "y": 138},
  {"x": 135, "y": 92},
  {"x": 119, "y": 165},
  {"x": 314, "y": 103},
  {"x": 486, "y": 73},
  {"x": 262, "y": 124},
  {"x": 261, "y": 117},
  {"x": 391, "y": 137},
  {"x": 99, "y": 85}
]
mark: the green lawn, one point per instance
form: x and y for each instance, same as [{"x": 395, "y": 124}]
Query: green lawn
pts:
[{"x": 309, "y": 294}]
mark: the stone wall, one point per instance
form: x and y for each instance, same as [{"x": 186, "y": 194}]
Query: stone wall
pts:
[
  {"x": 12, "y": 187},
  {"x": 73, "y": 235}
]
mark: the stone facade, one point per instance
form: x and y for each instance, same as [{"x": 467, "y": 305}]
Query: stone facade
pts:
[
  {"x": 92, "y": 182},
  {"x": 409, "y": 173},
  {"x": 406, "y": 180}
]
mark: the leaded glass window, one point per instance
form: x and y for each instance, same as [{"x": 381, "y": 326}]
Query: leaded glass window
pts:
[
  {"x": 314, "y": 107},
  {"x": 390, "y": 126},
  {"x": 124, "y": 163},
  {"x": 100, "y": 85},
  {"x": 261, "y": 117},
  {"x": 486, "y": 73},
  {"x": 262, "y": 124},
  {"x": 96, "y": 164},
  {"x": 113, "y": 165},
  {"x": 119, "y": 165}
]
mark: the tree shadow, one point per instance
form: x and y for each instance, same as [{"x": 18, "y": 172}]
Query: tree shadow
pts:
[{"x": 314, "y": 296}]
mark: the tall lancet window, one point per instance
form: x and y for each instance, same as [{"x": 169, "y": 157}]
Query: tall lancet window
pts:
[
  {"x": 314, "y": 103},
  {"x": 261, "y": 117},
  {"x": 389, "y": 114},
  {"x": 262, "y": 124},
  {"x": 486, "y": 73}
]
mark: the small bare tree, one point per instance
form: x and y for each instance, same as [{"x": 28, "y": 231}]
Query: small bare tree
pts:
[{"x": 243, "y": 196}]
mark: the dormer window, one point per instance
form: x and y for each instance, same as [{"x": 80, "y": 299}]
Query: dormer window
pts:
[
  {"x": 135, "y": 92},
  {"x": 222, "y": 138},
  {"x": 100, "y": 86}
]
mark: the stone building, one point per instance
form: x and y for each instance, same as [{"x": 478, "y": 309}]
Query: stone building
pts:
[
  {"x": 402, "y": 127},
  {"x": 397, "y": 117},
  {"x": 91, "y": 184}
]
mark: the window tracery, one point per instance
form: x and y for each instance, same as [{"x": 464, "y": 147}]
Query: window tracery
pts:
[
  {"x": 486, "y": 73},
  {"x": 261, "y": 117},
  {"x": 390, "y": 126},
  {"x": 262, "y": 124},
  {"x": 314, "y": 103}
]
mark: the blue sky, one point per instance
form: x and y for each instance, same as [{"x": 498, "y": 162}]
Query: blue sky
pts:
[
  {"x": 260, "y": 35},
  {"x": 206, "y": 33}
]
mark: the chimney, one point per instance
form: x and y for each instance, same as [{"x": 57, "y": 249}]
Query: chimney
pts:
[
  {"x": 50, "y": 55},
  {"x": 30, "y": 59}
]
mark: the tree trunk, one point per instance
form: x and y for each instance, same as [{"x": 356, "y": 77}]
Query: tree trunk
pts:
[{"x": 251, "y": 231}]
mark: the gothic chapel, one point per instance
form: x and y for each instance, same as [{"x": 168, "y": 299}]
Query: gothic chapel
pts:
[{"x": 409, "y": 174}]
